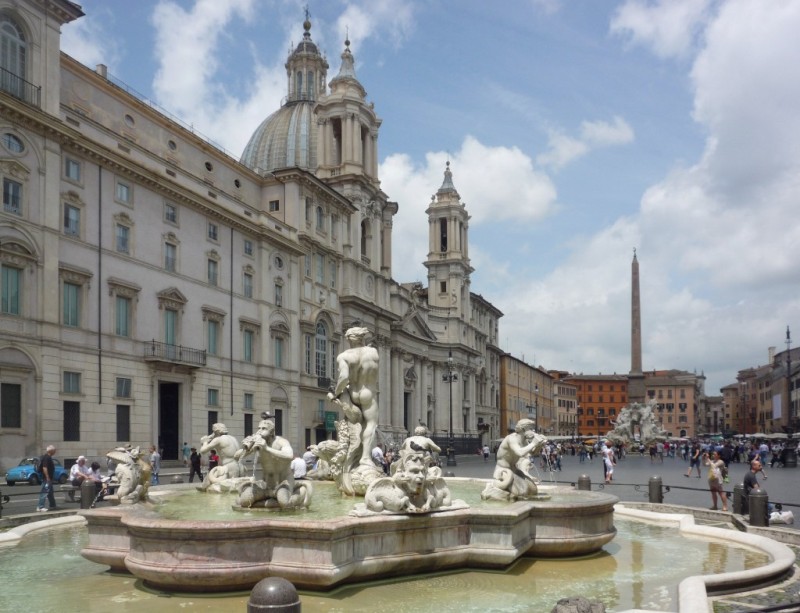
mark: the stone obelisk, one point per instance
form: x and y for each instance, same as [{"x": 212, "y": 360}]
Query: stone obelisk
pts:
[{"x": 636, "y": 376}]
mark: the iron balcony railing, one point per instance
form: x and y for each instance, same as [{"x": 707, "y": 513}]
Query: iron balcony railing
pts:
[
  {"x": 20, "y": 88},
  {"x": 156, "y": 351}
]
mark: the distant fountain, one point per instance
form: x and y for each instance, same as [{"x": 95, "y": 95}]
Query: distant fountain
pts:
[{"x": 637, "y": 419}]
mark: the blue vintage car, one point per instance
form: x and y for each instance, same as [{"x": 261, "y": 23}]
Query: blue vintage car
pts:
[{"x": 27, "y": 471}]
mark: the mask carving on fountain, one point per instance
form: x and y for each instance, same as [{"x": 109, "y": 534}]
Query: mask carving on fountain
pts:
[
  {"x": 132, "y": 475},
  {"x": 512, "y": 479},
  {"x": 355, "y": 393},
  {"x": 229, "y": 473},
  {"x": 278, "y": 488},
  {"x": 415, "y": 486}
]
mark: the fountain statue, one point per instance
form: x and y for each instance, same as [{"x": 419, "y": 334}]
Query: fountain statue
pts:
[
  {"x": 635, "y": 416},
  {"x": 278, "y": 488},
  {"x": 511, "y": 480},
  {"x": 132, "y": 475},
  {"x": 415, "y": 485},
  {"x": 356, "y": 394},
  {"x": 229, "y": 473}
]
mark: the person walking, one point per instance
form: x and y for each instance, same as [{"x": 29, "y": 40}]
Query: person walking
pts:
[
  {"x": 186, "y": 451},
  {"x": 486, "y": 453},
  {"x": 48, "y": 469},
  {"x": 194, "y": 466},
  {"x": 155, "y": 463},
  {"x": 715, "y": 466},
  {"x": 694, "y": 460}
]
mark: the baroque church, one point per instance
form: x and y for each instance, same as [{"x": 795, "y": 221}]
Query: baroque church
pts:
[{"x": 153, "y": 285}]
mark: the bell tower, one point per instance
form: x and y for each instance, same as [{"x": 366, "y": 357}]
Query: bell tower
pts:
[{"x": 448, "y": 250}]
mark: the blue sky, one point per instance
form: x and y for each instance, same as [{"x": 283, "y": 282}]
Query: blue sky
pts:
[{"x": 576, "y": 131}]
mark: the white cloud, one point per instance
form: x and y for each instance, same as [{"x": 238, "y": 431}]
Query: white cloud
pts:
[
  {"x": 668, "y": 27},
  {"x": 496, "y": 184},
  {"x": 86, "y": 40},
  {"x": 393, "y": 19},
  {"x": 563, "y": 149}
]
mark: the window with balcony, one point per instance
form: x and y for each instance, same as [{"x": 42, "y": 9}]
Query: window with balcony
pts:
[
  {"x": 248, "y": 285},
  {"x": 213, "y": 267},
  {"x": 11, "y": 290},
  {"x": 72, "y": 220},
  {"x": 248, "y": 337},
  {"x": 71, "y": 305},
  {"x": 13, "y": 57},
  {"x": 170, "y": 257},
  {"x": 123, "y": 234}
]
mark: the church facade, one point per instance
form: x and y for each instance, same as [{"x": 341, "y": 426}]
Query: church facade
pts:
[{"x": 152, "y": 284}]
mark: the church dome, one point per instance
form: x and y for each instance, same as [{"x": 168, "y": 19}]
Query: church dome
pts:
[{"x": 288, "y": 137}]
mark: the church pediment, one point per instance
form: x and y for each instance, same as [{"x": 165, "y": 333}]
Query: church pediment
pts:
[{"x": 414, "y": 325}]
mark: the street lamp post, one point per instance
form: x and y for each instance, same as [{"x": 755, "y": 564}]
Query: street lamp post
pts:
[
  {"x": 536, "y": 408},
  {"x": 449, "y": 377}
]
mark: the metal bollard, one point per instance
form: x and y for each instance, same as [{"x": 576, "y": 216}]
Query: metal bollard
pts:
[
  {"x": 584, "y": 482},
  {"x": 655, "y": 490},
  {"x": 176, "y": 479},
  {"x": 758, "y": 508},
  {"x": 88, "y": 492},
  {"x": 739, "y": 500},
  {"x": 274, "y": 594}
]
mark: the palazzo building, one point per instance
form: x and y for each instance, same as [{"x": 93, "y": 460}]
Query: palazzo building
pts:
[{"x": 153, "y": 285}]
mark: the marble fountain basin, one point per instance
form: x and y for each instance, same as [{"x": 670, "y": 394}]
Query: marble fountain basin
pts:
[{"x": 212, "y": 555}]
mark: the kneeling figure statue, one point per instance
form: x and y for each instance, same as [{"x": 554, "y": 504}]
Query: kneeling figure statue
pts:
[
  {"x": 511, "y": 480},
  {"x": 278, "y": 488}
]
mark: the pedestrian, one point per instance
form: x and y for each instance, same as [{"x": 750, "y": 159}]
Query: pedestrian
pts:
[
  {"x": 187, "y": 451},
  {"x": 751, "y": 483},
  {"x": 486, "y": 453},
  {"x": 213, "y": 460},
  {"x": 715, "y": 466},
  {"x": 48, "y": 470},
  {"x": 694, "y": 460},
  {"x": 155, "y": 464},
  {"x": 194, "y": 466},
  {"x": 608, "y": 461}
]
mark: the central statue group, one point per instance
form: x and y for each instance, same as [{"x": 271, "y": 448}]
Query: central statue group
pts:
[{"x": 415, "y": 483}]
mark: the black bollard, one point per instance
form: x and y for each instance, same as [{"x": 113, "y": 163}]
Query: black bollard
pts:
[
  {"x": 274, "y": 594},
  {"x": 759, "y": 502},
  {"x": 739, "y": 500},
  {"x": 584, "y": 482},
  {"x": 655, "y": 490},
  {"x": 88, "y": 492}
]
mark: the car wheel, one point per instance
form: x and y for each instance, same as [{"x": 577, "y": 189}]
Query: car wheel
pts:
[
  {"x": 11, "y": 483},
  {"x": 33, "y": 480},
  {"x": 62, "y": 479}
]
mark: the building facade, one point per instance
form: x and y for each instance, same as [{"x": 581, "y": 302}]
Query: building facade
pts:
[{"x": 152, "y": 284}]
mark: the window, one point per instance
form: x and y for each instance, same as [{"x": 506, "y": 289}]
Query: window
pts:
[
  {"x": 72, "y": 420},
  {"x": 170, "y": 213},
  {"x": 248, "y": 285},
  {"x": 72, "y": 220},
  {"x": 123, "y": 387},
  {"x": 212, "y": 329},
  {"x": 123, "y": 422},
  {"x": 248, "y": 247},
  {"x": 320, "y": 261},
  {"x": 248, "y": 401},
  {"x": 320, "y": 219},
  {"x": 212, "y": 272},
  {"x": 247, "y": 345},
  {"x": 71, "y": 304},
  {"x": 170, "y": 257},
  {"x": 12, "y": 42},
  {"x": 72, "y": 170},
  {"x": 123, "y": 192},
  {"x": 321, "y": 351},
  {"x": 212, "y": 397},
  {"x": 334, "y": 271},
  {"x": 334, "y": 227},
  {"x": 442, "y": 287},
  {"x": 274, "y": 206},
  {"x": 308, "y": 353},
  {"x": 11, "y": 288},
  {"x": 170, "y": 326},
  {"x": 122, "y": 325},
  {"x": 71, "y": 382},
  {"x": 213, "y": 231},
  {"x": 10, "y": 405},
  {"x": 307, "y": 265},
  {"x": 13, "y": 143},
  {"x": 123, "y": 238},
  {"x": 12, "y": 196},
  {"x": 278, "y": 349},
  {"x": 278, "y": 294},
  {"x": 248, "y": 424}
]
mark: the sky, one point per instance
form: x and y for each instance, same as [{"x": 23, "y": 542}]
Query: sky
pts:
[{"x": 576, "y": 130}]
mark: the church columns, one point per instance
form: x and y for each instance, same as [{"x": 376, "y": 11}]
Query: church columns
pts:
[
  {"x": 357, "y": 140},
  {"x": 397, "y": 392}
]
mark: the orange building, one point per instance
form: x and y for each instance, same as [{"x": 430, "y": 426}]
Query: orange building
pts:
[{"x": 600, "y": 399}]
